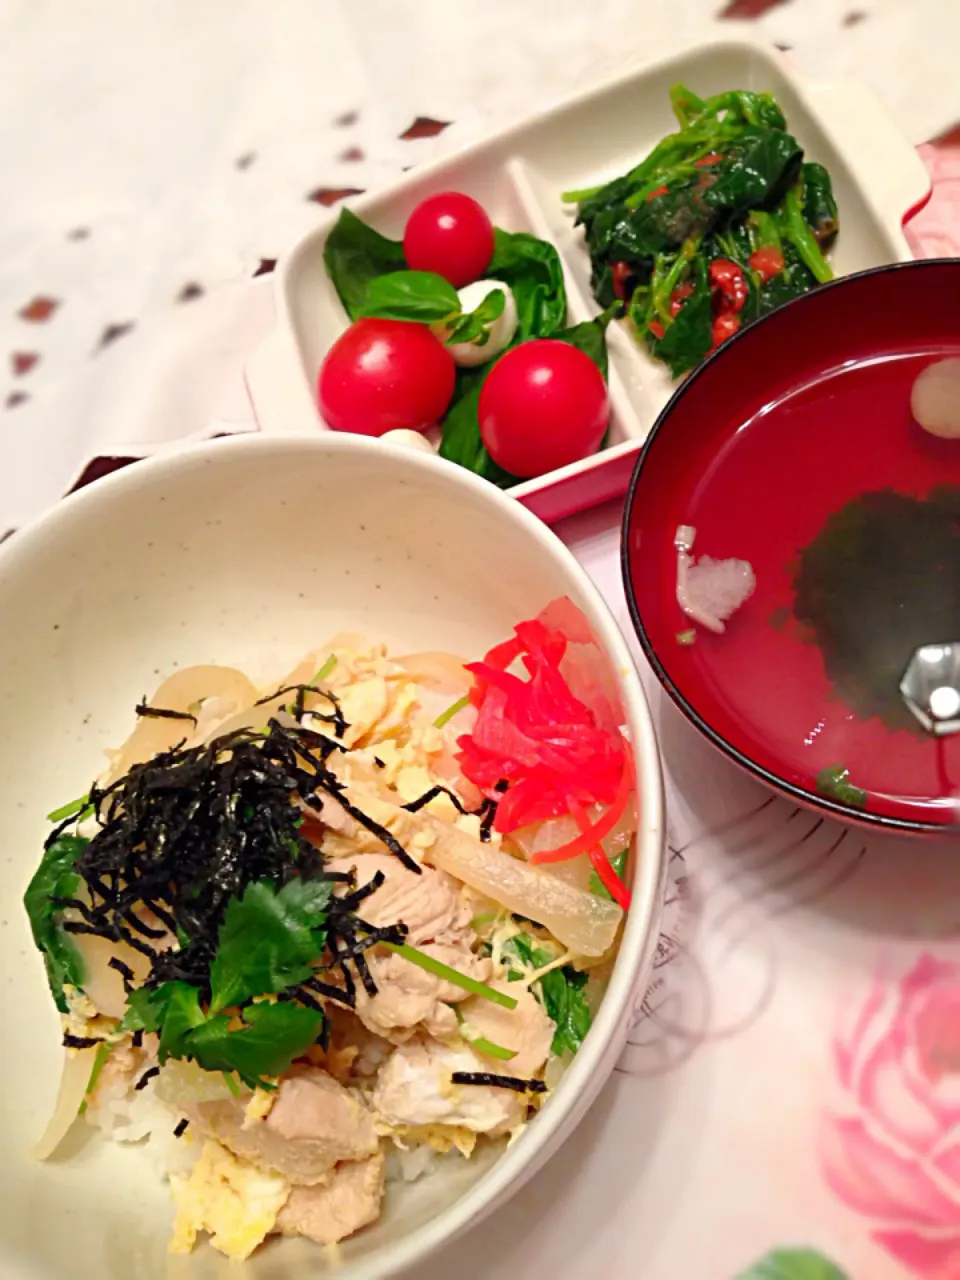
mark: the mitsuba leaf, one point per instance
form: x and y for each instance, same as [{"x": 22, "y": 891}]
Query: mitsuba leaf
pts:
[
  {"x": 268, "y": 940},
  {"x": 354, "y": 256},
  {"x": 597, "y": 887},
  {"x": 560, "y": 992},
  {"x": 56, "y": 878},
  {"x": 274, "y": 1035},
  {"x": 421, "y": 296}
]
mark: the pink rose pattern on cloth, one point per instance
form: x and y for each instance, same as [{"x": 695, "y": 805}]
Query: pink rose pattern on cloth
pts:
[{"x": 891, "y": 1146}]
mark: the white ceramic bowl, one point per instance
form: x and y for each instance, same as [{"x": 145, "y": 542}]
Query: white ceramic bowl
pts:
[{"x": 249, "y": 552}]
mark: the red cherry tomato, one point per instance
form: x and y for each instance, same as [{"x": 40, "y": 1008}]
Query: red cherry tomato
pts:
[
  {"x": 767, "y": 262},
  {"x": 451, "y": 235},
  {"x": 383, "y": 375},
  {"x": 724, "y": 327},
  {"x": 542, "y": 405},
  {"x": 730, "y": 288}
]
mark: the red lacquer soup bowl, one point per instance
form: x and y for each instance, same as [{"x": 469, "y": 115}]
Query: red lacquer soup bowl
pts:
[{"x": 794, "y": 448}]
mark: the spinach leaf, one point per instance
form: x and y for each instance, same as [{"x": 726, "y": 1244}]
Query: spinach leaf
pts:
[
  {"x": 56, "y": 878},
  {"x": 690, "y": 336},
  {"x": 796, "y": 230},
  {"x": 267, "y": 940},
  {"x": 354, "y": 256},
  {"x": 531, "y": 267},
  {"x": 411, "y": 295},
  {"x": 618, "y": 862},
  {"x": 819, "y": 204},
  {"x": 274, "y": 1035}
]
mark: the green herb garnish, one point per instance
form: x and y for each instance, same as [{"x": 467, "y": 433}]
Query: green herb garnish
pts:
[
  {"x": 82, "y": 808},
  {"x": 481, "y": 1044},
  {"x": 835, "y": 783},
  {"x": 561, "y": 992},
  {"x": 54, "y": 881},
  {"x": 99, "y": 1062},
  {"x": 454, "y": 709},
  {"x": 325, "y": 670},
  {"x": 597, "y": 887},
  {"x": 445, "y": 972}
]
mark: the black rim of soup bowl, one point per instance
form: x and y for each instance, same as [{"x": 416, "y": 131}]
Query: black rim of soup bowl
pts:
[{"x": 810, "y": 798}]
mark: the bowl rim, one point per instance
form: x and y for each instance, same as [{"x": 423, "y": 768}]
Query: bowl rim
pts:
[
  {"x": 796, "y": 792},
  {"x": 595, "y": 1060}
]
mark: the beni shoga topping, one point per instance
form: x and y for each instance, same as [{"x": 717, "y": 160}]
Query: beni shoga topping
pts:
[{"x": 302, "y": 936}]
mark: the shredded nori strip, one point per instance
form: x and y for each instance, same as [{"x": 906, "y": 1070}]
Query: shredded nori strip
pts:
[
  {"x": 334, "y": 717},
  {"x": 330, "y": 992},
  {"x": 162, "y": 713},
  {"x": 439, "y": 790},
  {"x": 487, "y": 812},
  {"x": 353, "y": 900},
  {"x": 182, "y": 834},
  {"x": 137, "y": 1038},
  {"x": 366, "y": 977},
  {"x": 502, "y": 785},
  {"x": 378, "y": 762},
  {"x": 499, "y": 1082},
  {"x": 146, "y": 1078},
  {"x": 80, "y": 1042},
  {"x": 181, "y": 1128},
  {"x": 334, "y": 787},
  {"x": 124, "y": 970}
]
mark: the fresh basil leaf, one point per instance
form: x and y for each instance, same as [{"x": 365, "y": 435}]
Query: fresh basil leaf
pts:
[
  {"x": 411, "y": 295},
  {"x": 56, "y": 878},
  {"x": 354, "y": 256},
  {"x": 793, "y": 1264},
  {"x": 591, "y": 336},
  {"x": 268, "y": 940},
  {"x": 597, "y": 887},
  {"x": 461, "y": 441},
  {"x": 531, "y": 267},
  {"x": 474, "y": 326},
  {"x": 274, "y": 1036}
]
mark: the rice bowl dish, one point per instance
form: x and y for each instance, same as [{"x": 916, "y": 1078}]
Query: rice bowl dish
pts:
[{"x": 480, "y": 999}]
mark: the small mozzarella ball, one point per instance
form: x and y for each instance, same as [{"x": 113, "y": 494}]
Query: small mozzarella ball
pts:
[
  {"x": 408, "y": 439},
  {"x": 935, "y": 400},
  {"x": 499, "y": 333}
]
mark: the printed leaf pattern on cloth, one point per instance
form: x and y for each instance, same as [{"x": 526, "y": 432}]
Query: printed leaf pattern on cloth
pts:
[{"x": 793, "y": 1264}]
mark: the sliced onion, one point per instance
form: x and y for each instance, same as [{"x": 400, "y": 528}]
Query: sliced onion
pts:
[
  {"x": 441, "y": 671},
  {"x": 180, "y": 692},
  {"x": 77, "y": 1066},
  {"x": 580, "y": 921}
]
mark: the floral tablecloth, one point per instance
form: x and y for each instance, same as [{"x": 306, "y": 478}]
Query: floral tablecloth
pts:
[{"x": 789, "y": 1105}]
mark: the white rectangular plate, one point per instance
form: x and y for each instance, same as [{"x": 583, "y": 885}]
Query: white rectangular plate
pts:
[{"x": 518, "y": 176}]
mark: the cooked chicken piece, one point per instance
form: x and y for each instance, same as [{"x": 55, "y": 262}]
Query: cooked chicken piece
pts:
[
  {"x": 428, "y": 904},
  {"x": 407, "y": 994},
  {"x": 415, "y": 1088},
  {"x": 527, "y": 1029},
  {"x": 330, "y": 1213},
  {"x": 313, "y": 1124}
]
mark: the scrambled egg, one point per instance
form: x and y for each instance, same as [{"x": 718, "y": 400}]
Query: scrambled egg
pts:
[
  {"x": 234, "y": 1201},
  {"x": 438, "y": 1137}
]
